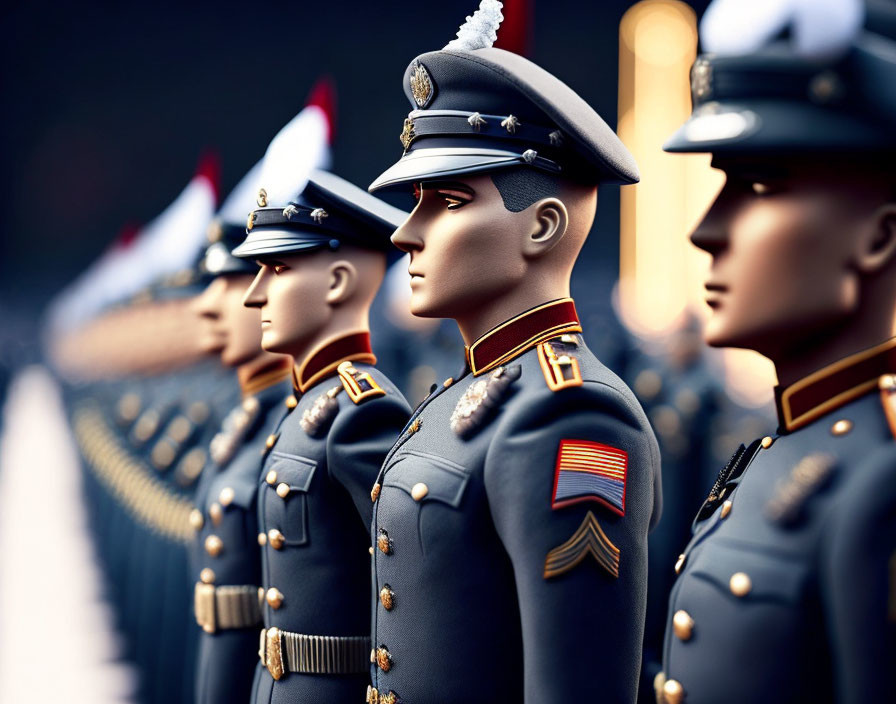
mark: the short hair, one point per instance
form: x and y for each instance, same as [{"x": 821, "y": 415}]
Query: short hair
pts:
[{"x": 520, "y": 187}]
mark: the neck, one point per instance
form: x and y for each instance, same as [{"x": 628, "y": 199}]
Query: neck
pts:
[
  {"x": 480, "y": 320},
  {"x": 818, "y": 351},
  {"x": 261, "y": 372}
]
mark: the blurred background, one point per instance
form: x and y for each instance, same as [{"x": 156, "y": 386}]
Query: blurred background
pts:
[{"x": 111, "y": 106}]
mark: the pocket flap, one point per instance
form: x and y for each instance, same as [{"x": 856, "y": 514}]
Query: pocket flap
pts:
[
  {"x": 751, "y": 575},
  {"x": 292, "y": 470},
  {"x": 444, "y": 480}
]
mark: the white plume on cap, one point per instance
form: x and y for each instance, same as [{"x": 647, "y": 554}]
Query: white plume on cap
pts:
[
  {"x": 297, "y": 150},
  {"x": 168, "y": 244},
  {"x": 480, "y": 30},
  {"x": 241, "y": 200},
  {"x": 819, "y": 28}
]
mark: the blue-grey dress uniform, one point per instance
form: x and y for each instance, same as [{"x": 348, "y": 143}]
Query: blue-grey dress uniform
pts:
[
  {"x": 314, "y": 489},
  {"x": 510, "y": 528},
  {"x": 786, "y": 590},
  {"x": 227, "y": 559}
]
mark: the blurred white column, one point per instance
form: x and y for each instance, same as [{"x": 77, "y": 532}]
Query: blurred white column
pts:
[{"x": 57, "y": 641}]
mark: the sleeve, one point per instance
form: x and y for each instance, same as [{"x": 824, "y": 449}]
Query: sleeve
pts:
[
  {"x": 579, "y": 553},
  {"x": 358, "y": 442},
  {"x": 858, "y": 582}
]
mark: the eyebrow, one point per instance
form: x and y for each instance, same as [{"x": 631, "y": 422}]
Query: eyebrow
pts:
[{"x": 269, "y": 262}]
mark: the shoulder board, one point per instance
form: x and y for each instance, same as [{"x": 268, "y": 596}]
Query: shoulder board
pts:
[
  {"x": 559, "y": 366},
  {"x": 887, "y": 385},
  {"x": 359, "y": 385}
]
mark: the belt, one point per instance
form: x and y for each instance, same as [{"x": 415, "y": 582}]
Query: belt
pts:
[
  {"x": 226, "y": 607},
  {"x": 282, "y": 652}
]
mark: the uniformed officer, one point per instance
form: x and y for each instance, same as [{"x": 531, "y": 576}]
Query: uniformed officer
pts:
[
  {"x": 322, "y": 253},
  {"x": 786, "y": 591},
  {"x": 227, "y": 561},
  {"x": 511, "y": 517}
]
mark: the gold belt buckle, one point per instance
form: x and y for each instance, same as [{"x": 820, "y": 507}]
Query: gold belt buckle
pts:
[
  {"x": 273, "y": 652},
  {"x": 204, "y": 606}
]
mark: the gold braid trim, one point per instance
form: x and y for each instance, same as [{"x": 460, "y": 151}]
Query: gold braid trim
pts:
[{"x": 129, "y": 480}]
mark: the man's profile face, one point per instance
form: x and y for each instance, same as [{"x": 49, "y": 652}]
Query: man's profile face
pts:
[
  {"x": 290, "y": 291},
  {"x": 464, "y": 246},
  {"x": 227, "y": 327},
  {"x": 780, "y": 238}
]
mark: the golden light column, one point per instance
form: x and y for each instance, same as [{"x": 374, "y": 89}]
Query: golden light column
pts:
[{"x": 661, "y": 274}]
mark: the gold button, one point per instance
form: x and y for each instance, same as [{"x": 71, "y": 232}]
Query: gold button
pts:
[
  {"x": 274, "y": 597},
  {"x": 673, "y": 692},
  {"x": 271, "y": 478},
  {"x": 383, "y": 542},
  {"x": 196, "y": 519},
  {"x": 262, "y": 539},
  {"x": 291, "y": 402},
  {"x": 767, "y": 441},
  {"x": 679, "y": 563},
  {"x": 683, "y": 625},
  {"x": 726, "y": 509},
  {"x": 373, "y": 695},
  {"x": 415, "y": 426},
  {"x": 740, "y": 584},
  {"x": 283, "y": 490},
  {"x": 841, "y": 427},
  {"x": 448, "y": 382},
  {"x": 207, "y": 576},
  {"x": 272, "y": 438},
  {"x": 419, "y": 490},
  {"x": 276, "y": 538},
  {"x": 226, "y": 496},
  {"x": 375, "y": 492},
  {"x": 383, "y": 658},
  {"x": 887, "y": 382},
  {"x": 216, "y": 513},
  {"x": 387, "y": 597},
  {"x": 370, "y": 549},
  {"x": 251, "y": 404},
  {"x": 214, "y": 545}
]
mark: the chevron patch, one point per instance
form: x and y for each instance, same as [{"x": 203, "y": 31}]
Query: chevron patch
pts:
[{"x": 588, "y": 539}]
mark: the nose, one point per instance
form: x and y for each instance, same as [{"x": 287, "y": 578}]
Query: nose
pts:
[
  {"x": 256, "y": 295},
  {"x": 711, "y": 234},
  {"x": 407, "y": 237},
  {"x": 204, "y": 305}
]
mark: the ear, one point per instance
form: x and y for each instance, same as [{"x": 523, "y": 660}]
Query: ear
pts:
[
  {"x": 343, "y": 281},
  {"x": 876, "y": 246},
  {"x": 548, "y": 227}
]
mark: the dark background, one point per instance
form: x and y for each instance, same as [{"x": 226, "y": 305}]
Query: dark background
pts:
[{"x": 108, "y": 107}]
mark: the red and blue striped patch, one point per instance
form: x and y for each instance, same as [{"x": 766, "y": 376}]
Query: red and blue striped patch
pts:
[{"x": 590, "y": 471}]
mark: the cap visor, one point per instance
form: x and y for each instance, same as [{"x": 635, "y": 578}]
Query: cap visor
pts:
[
  {"x": 264, "y": 242},
  {"x": 757, "y": 127},
  {"x": 427, "y": 164}
]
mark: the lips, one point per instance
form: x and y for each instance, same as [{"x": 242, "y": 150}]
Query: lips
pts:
[{"x": 715, "y": 293}]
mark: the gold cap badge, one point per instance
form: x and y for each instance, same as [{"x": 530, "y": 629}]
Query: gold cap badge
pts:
[{"x": 421, "y": 85}]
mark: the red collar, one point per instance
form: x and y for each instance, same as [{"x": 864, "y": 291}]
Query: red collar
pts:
[
  {"x": 322, "y": 362},
  {"x": 513, "y": 337},
  {"x": 833, "y": 386}
]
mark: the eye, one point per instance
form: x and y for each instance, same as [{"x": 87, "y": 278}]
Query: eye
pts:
[{"x": 455, "y": 199}]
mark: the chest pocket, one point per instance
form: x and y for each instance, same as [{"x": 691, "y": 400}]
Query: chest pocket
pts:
[
  {"x": 750, "y": 576},
  {"x": 286, "y": 502},
  {"x": 426, "y": 478}
]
